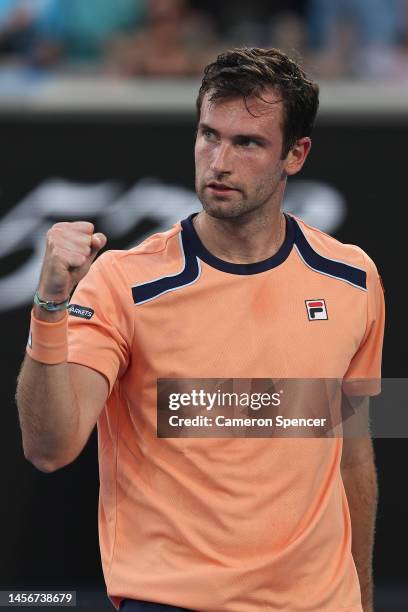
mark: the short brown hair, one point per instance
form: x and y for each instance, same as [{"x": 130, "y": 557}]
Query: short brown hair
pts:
[{"x": 249, "y": 72}]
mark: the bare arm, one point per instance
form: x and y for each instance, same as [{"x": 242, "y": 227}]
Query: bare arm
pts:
[
  {"x": 58, "y": 407},
  {"x": 59, "y": 404},
  {"x": 360, "y": 482}
]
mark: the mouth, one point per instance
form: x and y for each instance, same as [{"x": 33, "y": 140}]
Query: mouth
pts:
[{"x": 220, "y": 188}]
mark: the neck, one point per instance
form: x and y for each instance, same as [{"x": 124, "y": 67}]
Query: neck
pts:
[{"x": 242, "y": 240}]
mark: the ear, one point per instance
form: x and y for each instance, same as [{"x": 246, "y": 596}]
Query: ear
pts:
[{"x": 297, "y": 155}]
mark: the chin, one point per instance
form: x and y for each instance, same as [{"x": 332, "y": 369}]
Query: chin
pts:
[
  {"x": 222, "y": 208},
  {"x": 225, "y": 210},
  {"x": 220, "y": 212}
]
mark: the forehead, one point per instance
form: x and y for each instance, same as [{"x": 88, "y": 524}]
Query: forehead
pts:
[{"x": 234, "y": 115}]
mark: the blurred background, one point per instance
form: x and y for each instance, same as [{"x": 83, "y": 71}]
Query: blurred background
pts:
[
  {"x": 97, "y": 122},
  {"x": 126, "y": 38}
]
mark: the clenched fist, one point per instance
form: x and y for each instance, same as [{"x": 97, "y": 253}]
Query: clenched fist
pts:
[{"x": 70, "y": 250}]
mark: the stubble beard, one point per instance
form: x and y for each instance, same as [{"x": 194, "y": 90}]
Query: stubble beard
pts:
[{"x": 227, "y": 207}]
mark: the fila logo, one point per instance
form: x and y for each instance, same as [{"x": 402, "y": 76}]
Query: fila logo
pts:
[{"x": 316, "y": 310}]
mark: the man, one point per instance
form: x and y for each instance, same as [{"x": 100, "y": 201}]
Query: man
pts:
[{"x": 238, "y": 291}]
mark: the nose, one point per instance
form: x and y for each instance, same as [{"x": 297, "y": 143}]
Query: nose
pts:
[{"x": 221, "y": 160}]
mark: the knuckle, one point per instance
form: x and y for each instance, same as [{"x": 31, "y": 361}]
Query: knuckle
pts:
[
  {"x": 85, "y": 227},
  {"x": 51, "y": 234},
  {"x": 57, "y": 227},
  {"x": 57, "y": 253},
  {"x": 54, "y": 232}
]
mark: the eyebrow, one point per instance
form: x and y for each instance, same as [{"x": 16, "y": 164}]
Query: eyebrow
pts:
[{"x": 257, "y": 137}]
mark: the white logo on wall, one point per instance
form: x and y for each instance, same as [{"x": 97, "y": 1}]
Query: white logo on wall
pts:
[{"x": 117, "y": 212}]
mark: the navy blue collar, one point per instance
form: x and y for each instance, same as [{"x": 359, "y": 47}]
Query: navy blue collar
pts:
[{"x": 193, "y": 244}]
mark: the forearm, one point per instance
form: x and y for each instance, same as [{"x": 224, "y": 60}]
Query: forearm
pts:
[
  {"x": 48, "y": 409},
  {"x": 48, "y": 413},
  {"x": 360, "y": 482},
  {"x": 55, "y": 425}
]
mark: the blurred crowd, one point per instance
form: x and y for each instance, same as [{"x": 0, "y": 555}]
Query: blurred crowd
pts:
[{"x": 333, "y": 38}]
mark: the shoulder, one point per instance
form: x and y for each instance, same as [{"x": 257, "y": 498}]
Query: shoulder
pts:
[
  {"x": 157, "y": 254},
  {"x": 331, "y": 248}
]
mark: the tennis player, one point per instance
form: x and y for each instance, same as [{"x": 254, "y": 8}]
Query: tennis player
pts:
[{"x": 239, "y": 290}]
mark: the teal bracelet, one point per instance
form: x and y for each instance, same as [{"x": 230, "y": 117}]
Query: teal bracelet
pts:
[{"x": 51, "y": 306}]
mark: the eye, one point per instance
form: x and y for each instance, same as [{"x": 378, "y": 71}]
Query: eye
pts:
[
  {"x": 208, "y": 135},
  {"x": 247, "y": 142}
]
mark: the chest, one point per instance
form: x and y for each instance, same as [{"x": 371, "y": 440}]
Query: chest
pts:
[{"x": 271, "y": 324}]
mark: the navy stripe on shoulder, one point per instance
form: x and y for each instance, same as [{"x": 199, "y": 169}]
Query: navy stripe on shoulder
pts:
[
  {"x": 190, "y": 273},
  {"x": 330, "y": 267}
]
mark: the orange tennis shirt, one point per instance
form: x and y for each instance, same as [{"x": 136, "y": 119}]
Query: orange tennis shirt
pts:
[{"x": 233, "y": 525}]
